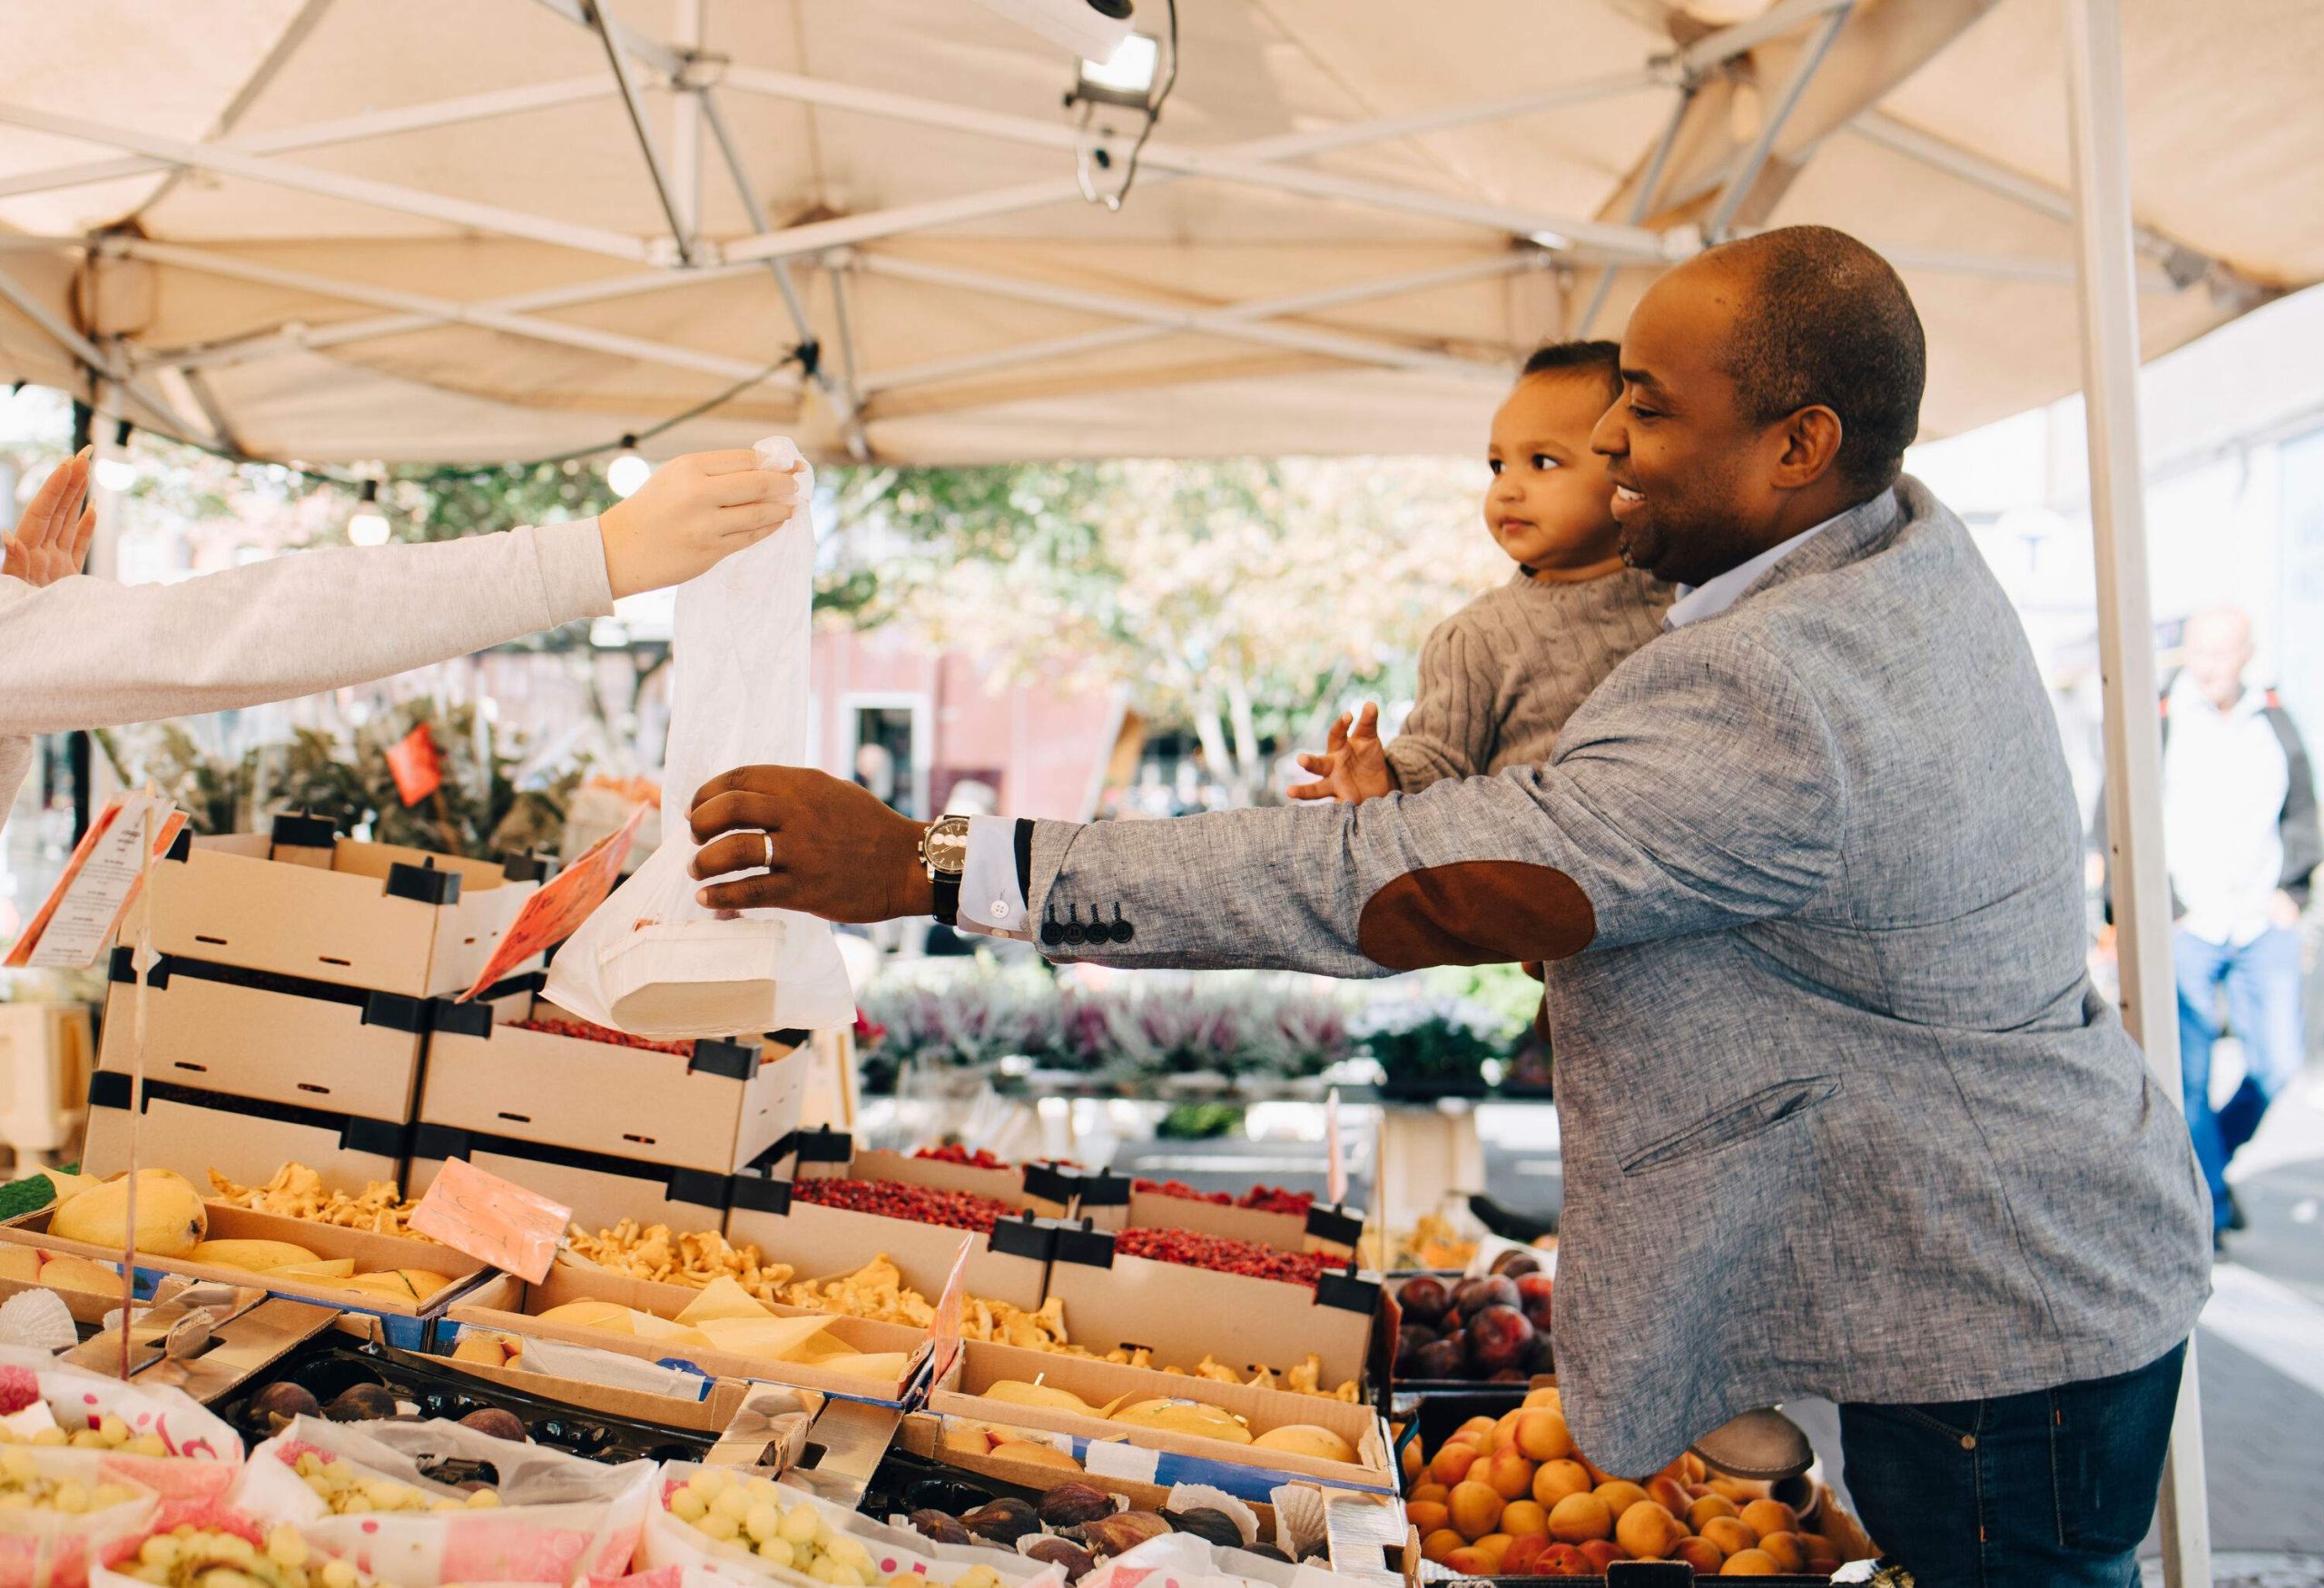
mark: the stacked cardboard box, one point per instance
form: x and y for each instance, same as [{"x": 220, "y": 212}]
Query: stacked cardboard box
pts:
[{"x": 287, "y": 1016}]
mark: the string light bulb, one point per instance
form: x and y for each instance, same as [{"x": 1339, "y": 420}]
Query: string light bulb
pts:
[
  {"x": 366, "y": 526},
  {"x": 626, "y": 473}
]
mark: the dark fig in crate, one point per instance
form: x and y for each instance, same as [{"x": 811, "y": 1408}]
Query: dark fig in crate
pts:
[
  {"x": 277, "y": 1403},
  {"x": 1540, "y": 1356},
  {"x": 1423, "y": 1300},
  {"x": 1268, "y": 1551},
  {"x": 1408, "y": 1341},
  {"x": 1498, "y": 1337},
  {"x": 942, "y": 1529},
  {"x": 362, "y": 1403},
  {"x": 1120, "y": 1534},
  {"x": 1005, "y": 1521},
  {"x": 1210, "y": 1524},
  {"x": 499, "y": 1425},
  {"x": 1475, "y": 1294},
  {"x": 1074, "y": 1504},
  {"x": 1065, "y": 1553},
  {"x": 1534, "y": 1299},
  {"x": 1441, "y": 1359},
  {"x": 1513, "y": 1264}
]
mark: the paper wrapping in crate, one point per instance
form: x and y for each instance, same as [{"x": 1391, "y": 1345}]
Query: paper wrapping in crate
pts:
[
  {"x": 1185, "y": 1561},
  {"x": 561, "y": 1519}
]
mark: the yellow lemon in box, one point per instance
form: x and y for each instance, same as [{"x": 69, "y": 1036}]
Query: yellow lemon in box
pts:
[
  {"x": 259, "y": 1255},
  {"x": 1178, "y": 1416},
  {"x": 1306, "y": 1439},
  {"x": 1018, "y": 1392},
  {"x": 171, "y": 1219}
]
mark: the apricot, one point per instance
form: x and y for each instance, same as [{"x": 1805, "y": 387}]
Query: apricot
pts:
[
  {"x": 1452, "y": 1464},
  {"x": 1578, "y": 1518},
  {"x": 1601, "y": 1553},
  {"x": 1545, "y": 1396},
  {"x": 1494, "y": 1547},
  {"x": 1542, "y": 1434},
  {"x": 1523, "y": 1517},
  {"x": 1669, "y": 1493},
  {"x": 1730, "y": 1534},
  {"x": 1598, "y": 1475},
  {"x": 1410, "y": 1461},
  {"x": 1562, "y": 1560},
  {"x": 1507, "y": 1473},
  {"x": 1750, "y": 1563},
  {"x": 1427, "y": 1492},
  {"x": 1557, "y": 1479},
  {"x": 1700, "y": 1554},
  {"x": 1504, "y": 1432},
  {"x": 1524, "y": 1556},
  {"x": 1470, "y": 1561},
  {"x": 1785, "y": 1550},
  {"x": 1696, "y": 1471},
  {"x": 1481, "y": 1426},
  {"x": 1436, "y": 1545},
  {"x": 1476, "y": 1508},
  {"x": 1765, "y": 1516},
  {"x": 1620, "y": 1495},
  {"x": 1738, "y": 1490},
  {"x": 1823, "y": 1555},
  {"x": 1428, "y": 1516},
  {"x": 1649, "y": 1531},
  {"x": 1708, "y": 1507}
]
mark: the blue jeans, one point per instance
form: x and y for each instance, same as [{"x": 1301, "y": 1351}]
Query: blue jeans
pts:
[
  {"x": 2262, "y": 984},
  {"x": 2051, "y": 1489}
]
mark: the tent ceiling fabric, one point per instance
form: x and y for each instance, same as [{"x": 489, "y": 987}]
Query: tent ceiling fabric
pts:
[{"x": 425, "y": 230}]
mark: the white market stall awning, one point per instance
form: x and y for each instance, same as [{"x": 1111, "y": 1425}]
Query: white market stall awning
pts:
[{"x": 429, "y": 229}]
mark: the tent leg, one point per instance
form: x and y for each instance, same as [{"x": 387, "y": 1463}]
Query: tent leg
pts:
[{"x": 2109, "y": 306}]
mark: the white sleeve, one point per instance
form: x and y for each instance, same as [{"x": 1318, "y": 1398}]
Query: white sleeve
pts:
[
  {"x": 86, "y": 653},
  {"x": 992, "y": 902}
]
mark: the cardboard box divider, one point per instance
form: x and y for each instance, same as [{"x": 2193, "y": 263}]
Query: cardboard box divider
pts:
[
  {"x": 404, "y": 1323},
  {"x": 244, "y": 1342},
  {"x": 961, "y": 1394},
  {"x": 601, "y": 1188},
  {"x": 1322, "y": 1228},
  {"x": 1183, "y": 1313},
  {"x": 259, "y": 1034},
  {"x": 382, "y": 917},
  {"x": 718, "y": 1111},
  {"x": 247, "y": 1139},
  {"x": 710, "y": 1413},
  {"x": 1010, "y": 1264},
  {"x": 507, "y": 1304}
]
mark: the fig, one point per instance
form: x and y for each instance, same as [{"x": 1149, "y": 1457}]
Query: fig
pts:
[
  {"x": 277, "y": 1403},
  {"x": 362, "y": 1402},
  {"x": 1268, "y": 1551},
  {"x": 1423, "y": 1300},
  {"x": 1533, "y": 1299},
  {"x": 1539, "y": 1355},
  {"x": 1210, "y": 1524},
  {"x": 1065, "y": 1553},
  {"x": 1440, "y": 1359},
  {"x": 1005, "y": 1521},
  {"x": 1408, "y": 1341},
  {"x": 1475, "y": 1294},
  {"x": 1498, "y": 1337},
  {"x": 1515, "y": 1265},
  {"x": 937, "y": 1526},
  {"x": 1120, "y": 1534},
  {"x": 1074, "y": 1504},
  {"x": 496, "y": 1422}
]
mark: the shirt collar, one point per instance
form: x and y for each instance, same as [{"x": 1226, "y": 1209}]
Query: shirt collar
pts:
[
  {"x": 2186, "y": 700},
  {"x": 1713, "y": 596}
]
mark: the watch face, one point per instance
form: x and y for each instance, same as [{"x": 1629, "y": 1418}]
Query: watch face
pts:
[{"x": 948, "y": 846}]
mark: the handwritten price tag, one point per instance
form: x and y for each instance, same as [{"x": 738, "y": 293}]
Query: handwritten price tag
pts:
[
  {"x": 492, "y": 1220},
  {"x": 557, "y": 910},
  {"x": 944, "y": 1329},
  {"x": 100, "y": 883}
]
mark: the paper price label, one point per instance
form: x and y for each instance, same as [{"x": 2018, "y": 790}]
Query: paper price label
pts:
[
  {"x": 492, "y": 1220},
  {"x": 100, "y": 883},
  {"x": 552, "y": 914}
]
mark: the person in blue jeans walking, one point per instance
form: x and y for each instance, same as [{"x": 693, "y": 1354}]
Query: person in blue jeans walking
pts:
[{"x": 2239, "y": 836}]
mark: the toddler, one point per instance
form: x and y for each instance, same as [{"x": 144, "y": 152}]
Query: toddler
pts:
[{"x": 1499, "y": 676}]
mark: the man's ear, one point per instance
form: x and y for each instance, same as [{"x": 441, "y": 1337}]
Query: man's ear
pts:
[{"x": 1811, "y": 444}]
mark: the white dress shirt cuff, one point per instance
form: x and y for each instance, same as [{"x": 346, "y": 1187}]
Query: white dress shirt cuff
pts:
[{"x": 992, "y": 901}]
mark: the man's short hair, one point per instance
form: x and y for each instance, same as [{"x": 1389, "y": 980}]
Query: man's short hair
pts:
[
  {"x": 1831, "y": 326},
  {"x": 1604, "y": 360}
]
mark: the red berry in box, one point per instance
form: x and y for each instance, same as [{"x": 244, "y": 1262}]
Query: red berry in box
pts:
[
  {"x": 895, "y": 1199},
  {"x": 1227, "y": 1256}
]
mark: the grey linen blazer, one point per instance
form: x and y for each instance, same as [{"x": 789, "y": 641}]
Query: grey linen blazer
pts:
[{"x": 1842, "y": 1113}]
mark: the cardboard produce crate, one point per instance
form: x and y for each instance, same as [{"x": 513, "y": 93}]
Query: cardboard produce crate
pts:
[
  {"x": 1112, "y": 1201},
  {"x": 507, "y": 1304},
  {"x": 1010, "y": 1264},
  {"x": 401, "y": 1323},
  {"x": 194, "y": 1131},
  {"x": 1042, "y": 1188},
  {"x": 257, "y": 1034},
  {"x": 1183, "y": 1313},
  {"x": 375, "y": 916},
  {"x": 726, "y": 1106},
  {"x": 1164, "y": 1455},
  {"x": 601, "y": 1188}
]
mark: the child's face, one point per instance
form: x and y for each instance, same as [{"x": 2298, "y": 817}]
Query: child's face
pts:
[{"x": 1550, "y": 504}]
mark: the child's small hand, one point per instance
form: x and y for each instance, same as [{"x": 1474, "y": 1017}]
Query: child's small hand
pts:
[{"x": 1353, "y": 767}]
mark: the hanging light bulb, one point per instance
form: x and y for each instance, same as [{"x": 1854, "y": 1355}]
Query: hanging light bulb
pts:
[
  {"x": 626, "y": 473},
  {"x": 115, "y": 473},
  {"x": 366, "y": 526}
]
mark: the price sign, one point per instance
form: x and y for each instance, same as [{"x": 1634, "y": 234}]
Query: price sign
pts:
[{"x": 100, "y": 883}]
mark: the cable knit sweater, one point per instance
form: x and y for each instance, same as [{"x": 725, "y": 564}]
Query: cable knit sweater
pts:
[
  {"x": 87, "y": 653},
  {"x": 1499, "y": 676}
]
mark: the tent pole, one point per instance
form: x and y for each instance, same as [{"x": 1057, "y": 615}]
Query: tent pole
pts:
[{"x": 2097, "y": 123}]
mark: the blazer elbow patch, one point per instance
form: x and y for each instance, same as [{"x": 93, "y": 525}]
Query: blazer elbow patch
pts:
[{"x": 1476, "y": 912}]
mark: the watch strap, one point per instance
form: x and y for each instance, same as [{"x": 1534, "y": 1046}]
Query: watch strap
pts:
[{"x": 944, "y": 893}]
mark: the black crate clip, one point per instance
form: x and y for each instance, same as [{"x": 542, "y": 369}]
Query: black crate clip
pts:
[
  {"x": 1074, "y": 1242},
  {"x": 825, "y": 1144},
  {"x": 473, "y": 1018},
  {"x": 1023, "y": 1237},
  {"x": 714, "y": 1056},
  {"x": 529, "y": 865},
  {"x": 1051, "y": 1182},
  {"x": 1336, "y": 1226},
  {"x": 1104, "y": 1188},
  {"x": 303, "y": 829},
  {"x": 761, "y": 1194},
  {"x": 1350, "y": 1289},
  {"x": 424, "y": 882},
  {"x": 791, "y": 1037},
  {"x": 182, "y": 846},
  {"x": 397, "y": 1012}
]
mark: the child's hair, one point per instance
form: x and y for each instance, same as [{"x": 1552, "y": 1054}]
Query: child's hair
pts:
[{"x": 1601, "y": 357}]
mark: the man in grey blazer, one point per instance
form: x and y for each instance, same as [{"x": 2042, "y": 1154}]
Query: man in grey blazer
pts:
[{"x": 1843, "y": 1114}]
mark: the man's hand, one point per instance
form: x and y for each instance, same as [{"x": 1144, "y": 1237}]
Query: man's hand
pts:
[
  {"x": 53, "y": 532},
  {"x": 689, "y": 513},
  {"x": 1353, "y": 767},
  {"x": 838, "y": 853}
]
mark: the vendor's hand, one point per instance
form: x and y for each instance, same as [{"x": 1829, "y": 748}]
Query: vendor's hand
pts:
[
  {"x": 692, "y": 511},
  {"x": 1353, "y": 767},
  {"x": 53, "y": 532},
  {"x": 838, "y": 852},
  {"x": 2283, "y": 910}
]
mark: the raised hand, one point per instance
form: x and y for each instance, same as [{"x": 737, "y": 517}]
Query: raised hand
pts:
[
  {"x": 1353, "y": 767},
  {"x": 53, "y": 534},
  {"x": 692, "y": 512}
]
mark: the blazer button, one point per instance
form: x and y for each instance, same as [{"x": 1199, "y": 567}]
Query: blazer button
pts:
[
  {"x": 1053, "y": 933},
  {"x": 1123, "y": 932},
  {"x": 1075, "y": 932}
]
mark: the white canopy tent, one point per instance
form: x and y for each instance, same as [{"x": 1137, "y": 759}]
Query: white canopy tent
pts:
[{"x": 344, "y": 231}]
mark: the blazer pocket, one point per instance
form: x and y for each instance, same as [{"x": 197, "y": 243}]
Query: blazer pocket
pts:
[{"x": 1762, "y": 1110}]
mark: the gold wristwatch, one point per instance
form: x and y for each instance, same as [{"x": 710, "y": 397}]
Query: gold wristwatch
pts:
[{"x": 944, "y": 855}]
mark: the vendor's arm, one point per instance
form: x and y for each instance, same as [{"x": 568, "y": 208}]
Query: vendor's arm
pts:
[{"x": 1698, "y": 789}]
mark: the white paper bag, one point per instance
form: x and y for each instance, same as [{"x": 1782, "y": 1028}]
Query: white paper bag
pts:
[{"x": 651, "y": 960}]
